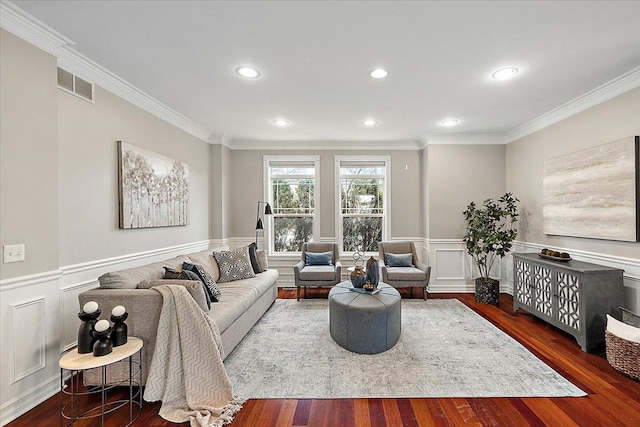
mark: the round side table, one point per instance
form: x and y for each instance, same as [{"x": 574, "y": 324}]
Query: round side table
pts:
[{"x": 78, "y": 401}]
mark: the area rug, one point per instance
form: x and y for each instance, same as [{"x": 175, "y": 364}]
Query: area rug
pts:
[{"x": 445, "y": 350}]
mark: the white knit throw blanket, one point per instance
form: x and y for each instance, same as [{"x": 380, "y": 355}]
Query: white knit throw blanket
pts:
[{"x": 186, "y": 372}]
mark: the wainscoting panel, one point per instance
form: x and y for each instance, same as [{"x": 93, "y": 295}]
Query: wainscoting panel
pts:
[
  {"x": 29, "y": 345},
  {"x": 449, "y": 264}
]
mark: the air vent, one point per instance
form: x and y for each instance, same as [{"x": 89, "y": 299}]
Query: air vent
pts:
[{"x": 75, "y": 85}]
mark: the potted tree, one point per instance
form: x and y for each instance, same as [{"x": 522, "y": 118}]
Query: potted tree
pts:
[{"x": 490, "y": 233}]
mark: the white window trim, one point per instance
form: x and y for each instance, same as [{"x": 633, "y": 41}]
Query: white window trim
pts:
[
  {"x": 386, "y": 223},
  {"x": 268, "y": 196}
]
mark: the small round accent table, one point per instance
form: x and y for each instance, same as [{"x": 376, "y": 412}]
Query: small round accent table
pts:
[
  {"x": 364, "y": 323},
  {"x": 79, "y": 398}
]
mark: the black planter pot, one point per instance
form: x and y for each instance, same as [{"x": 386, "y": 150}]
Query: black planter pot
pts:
[{"x": 487, "y": 292}]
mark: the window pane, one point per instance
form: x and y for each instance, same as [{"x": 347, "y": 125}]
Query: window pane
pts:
[
  {"x": 291, "y": 232},
  {"x": 293, "y": 196},
  {"x": 361, "y": 169},
  {"x": 369, "y": 228},
  {"x": 361, "y": 196},
  {"x": 293, "y": 170}
]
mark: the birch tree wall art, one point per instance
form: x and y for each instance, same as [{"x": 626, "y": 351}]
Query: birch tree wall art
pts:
[{"x": 153, "y": 189}]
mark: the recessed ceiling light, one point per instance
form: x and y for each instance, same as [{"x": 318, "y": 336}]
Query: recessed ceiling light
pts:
[
  {"x": 369, "y": 122},
  {"x": 505, "y": 73},
  {"x": 248, "y": 72},
  {"x": 449, "y": 122},
  {"x": 281, "y": 122},
  {"x": 379, "y": 73}
]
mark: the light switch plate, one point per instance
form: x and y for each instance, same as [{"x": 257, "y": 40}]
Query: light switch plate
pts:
[{"x": 13, "y": 253}]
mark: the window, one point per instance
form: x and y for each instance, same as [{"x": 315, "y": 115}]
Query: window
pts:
[
  {"x": 293, "y": 194},
  {"x": 362, "y": 199}
]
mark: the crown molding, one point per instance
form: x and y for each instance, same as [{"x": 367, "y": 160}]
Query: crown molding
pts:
[
  {"x": 247, "y": 144},
  {"x": 615, "y": 87},
  {"x": 30, "y": 29},
  {"x": 466, "y": 139}
]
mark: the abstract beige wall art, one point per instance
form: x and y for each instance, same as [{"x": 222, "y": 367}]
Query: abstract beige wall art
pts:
[
  {"x": 594, "y": 193},
  {"x": 153, "y": 189}
]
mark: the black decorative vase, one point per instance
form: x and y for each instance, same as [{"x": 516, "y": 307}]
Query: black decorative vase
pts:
[
  {"x": 103, "y": 344},
  {"x": 85, "y": 336},
  {"x": 372, "y": 272},
  {"x": 358, "y": 277},
  {"x": 487, "y": 291},
  {"x": 120, "y": 330}
]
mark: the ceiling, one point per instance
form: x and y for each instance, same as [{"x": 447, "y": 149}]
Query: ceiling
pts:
[{"x": 315, "y": 58}]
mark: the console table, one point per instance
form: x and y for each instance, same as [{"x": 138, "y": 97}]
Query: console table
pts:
[{"x": 574, "y": 296}]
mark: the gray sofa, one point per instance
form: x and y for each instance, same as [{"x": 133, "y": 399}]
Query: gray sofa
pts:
[{"x": 241, "y": 304}]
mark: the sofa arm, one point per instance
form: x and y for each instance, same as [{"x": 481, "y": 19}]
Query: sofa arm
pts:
[{"x": 143, "y": 306}]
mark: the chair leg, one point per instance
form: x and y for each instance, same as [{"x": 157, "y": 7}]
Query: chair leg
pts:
[
  {"x": 298, "y": 293},
  {"x": 424, "y": 290}
]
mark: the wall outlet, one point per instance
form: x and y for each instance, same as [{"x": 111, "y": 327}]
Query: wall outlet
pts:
[{"x": 13, "y": 253}]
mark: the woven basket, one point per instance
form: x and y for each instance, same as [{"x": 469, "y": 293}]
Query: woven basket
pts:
[{"x": 623, "y": 355}]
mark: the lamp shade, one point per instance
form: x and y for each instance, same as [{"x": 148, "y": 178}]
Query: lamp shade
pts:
[
  {"x": 267, "y": 210},
  {"x": 259, "y": 225}
]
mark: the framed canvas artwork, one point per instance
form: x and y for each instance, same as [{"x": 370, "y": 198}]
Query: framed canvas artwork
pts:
[
  {"x": 594, "y": 193},
  {"x": 153, "y": 190}
]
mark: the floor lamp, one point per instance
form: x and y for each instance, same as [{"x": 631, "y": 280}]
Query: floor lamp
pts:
[{"x": 259, "y": 224}]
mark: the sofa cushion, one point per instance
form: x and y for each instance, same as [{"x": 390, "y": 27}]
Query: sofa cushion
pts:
[
  {"x": 205, "y": 278},
  {"x": 238, "y": 296},
  {"x": 405, "y": 273},
  {"x": 253, "y": 257},
  {"x": 318, "y": 272},
  {"x": 207, "y": 261},
  {"x": 399, "y": 260},
  {"x": 130, "y": 277},
  {"x": 234, "y": 265},
  {"x": 319, "y": 258}
]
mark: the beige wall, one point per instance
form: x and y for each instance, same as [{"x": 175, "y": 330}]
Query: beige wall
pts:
[
  {"x": 28, "y": 155},
  {"x": 59, "y": 168},
  {"x": 604, "y": 123},
  {"x": 89, "y": 177},
  {"x": 406, "y": 192},
  {"x": 457, "y": 175}
]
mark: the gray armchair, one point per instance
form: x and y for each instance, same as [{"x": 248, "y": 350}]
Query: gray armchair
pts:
[
  {"x": 317, "y": 275},
  {"x": 417, "y": 275}
]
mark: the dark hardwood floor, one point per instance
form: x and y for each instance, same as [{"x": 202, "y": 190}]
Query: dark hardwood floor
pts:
[{"x": 613, "y": 399}]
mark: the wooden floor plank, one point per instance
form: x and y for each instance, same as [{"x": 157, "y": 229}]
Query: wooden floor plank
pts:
[{"x": 613, "y": 399}]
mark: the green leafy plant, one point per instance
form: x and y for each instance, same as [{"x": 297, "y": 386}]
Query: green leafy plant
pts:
[{"x": 491, "y": 230}]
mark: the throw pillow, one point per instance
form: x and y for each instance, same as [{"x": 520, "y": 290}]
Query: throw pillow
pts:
[
  {"x": 253, "y": 257},
  {"x": 264, "y": 261},
  {"x": 623, "y": 330},
  {"x": 196, "y": 290},
  {"x": 172, "y": 273},
  {"x": 399, "y": 260},
  {"x": 319, "y": 258},
  {"x": 206, "y": 279},
  {"x": 234, "y": 265}
]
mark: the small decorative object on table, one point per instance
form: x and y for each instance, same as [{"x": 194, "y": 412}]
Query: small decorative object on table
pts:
[
  {"x": 358, "y": 276},
  {"x": 554, "y": 255},
  {"x": 103, "y": 344},
  {"x": 372, "y": 272},
  {"x": 120, "y": 329},
  {"x": 88, "y": 317}
]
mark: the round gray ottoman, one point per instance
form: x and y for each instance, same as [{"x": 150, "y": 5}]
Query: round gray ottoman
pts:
[{"x": 364, "y": 323}]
